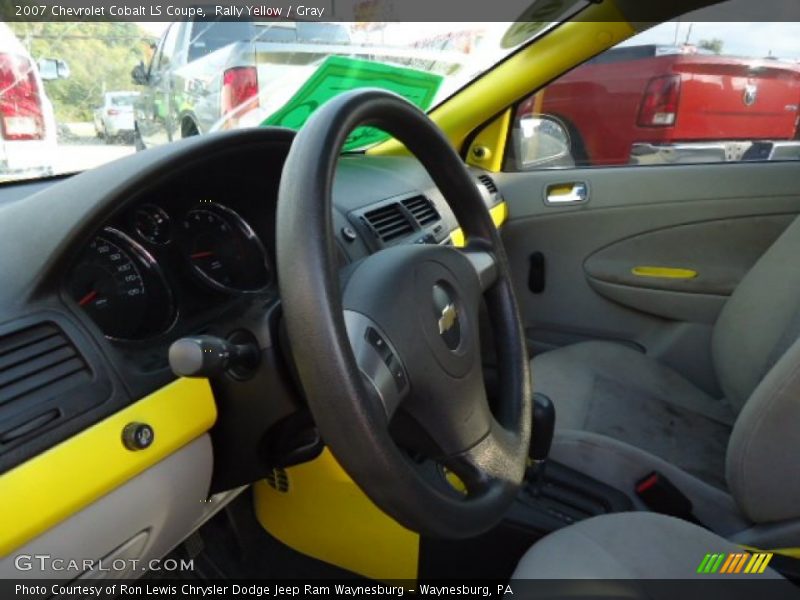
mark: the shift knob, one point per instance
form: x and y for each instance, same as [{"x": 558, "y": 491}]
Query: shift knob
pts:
[
  {"x": 208, "y": 356},
  {"x": 544, "y": 422}
]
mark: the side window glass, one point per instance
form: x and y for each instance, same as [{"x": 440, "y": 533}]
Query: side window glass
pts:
[
  {"x": 169, "y": 47},
  {"x": 682, "y": 92},
  {"x": 209, "y": 36},
  {"x": 155, "y": 55}
]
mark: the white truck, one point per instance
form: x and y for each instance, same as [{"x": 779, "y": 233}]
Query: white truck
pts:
[
  {"x": 202, "y": 71},
  {"x": 27, "y": 121},
  {"x": 113, "y": 119}
]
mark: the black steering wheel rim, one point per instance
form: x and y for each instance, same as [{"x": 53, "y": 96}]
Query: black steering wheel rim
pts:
[{"x": 352, "y": 423}]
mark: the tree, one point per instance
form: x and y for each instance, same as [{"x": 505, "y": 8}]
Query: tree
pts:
[{"x": 715, "y": 45}]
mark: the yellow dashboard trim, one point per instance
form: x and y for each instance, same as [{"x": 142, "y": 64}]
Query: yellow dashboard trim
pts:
[
  {"x": 50, "y": 487},
  {"x": 499, "y": 214},
  {"x": 324, "y": 514}
]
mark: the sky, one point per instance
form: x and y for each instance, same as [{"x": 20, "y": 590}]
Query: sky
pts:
[
  {"x": 782, "y": 40},
  {"x": 153, "y": 28}
]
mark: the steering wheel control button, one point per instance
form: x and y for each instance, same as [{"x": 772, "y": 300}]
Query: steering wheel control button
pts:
[
  {"x": 398, "y": 374},
  {"x": 389, "y": 359},
  {"x": 138, "y": 436},
  {"x": 447, "y": 317},
  {"x": 376, "y": 341}
]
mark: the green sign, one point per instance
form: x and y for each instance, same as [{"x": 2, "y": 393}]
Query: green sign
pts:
[{"x": 339, "y": 74}]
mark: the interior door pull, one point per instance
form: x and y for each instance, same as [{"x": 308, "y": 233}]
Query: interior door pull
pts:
[{"x": 566, "y": 193}]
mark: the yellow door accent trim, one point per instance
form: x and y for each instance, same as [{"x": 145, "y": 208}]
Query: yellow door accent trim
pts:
[
  {"x": 499, "y": 214},
  {"x": 59, "y": 482},
  {"x": 487, "y": 149},
  {"x": 664, "y": 272},
  {"x": 601, "y": 26},
  {"x": 324, "y": 514}
]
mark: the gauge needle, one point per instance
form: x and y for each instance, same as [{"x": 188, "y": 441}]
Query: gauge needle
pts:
[
  {"x": 87, "y": 298},
  {"x": 202, "y": 254}
]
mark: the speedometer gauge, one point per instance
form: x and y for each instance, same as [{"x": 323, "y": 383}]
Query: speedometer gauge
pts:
[
  {"x": 223, "y": 250},
  {"x": 121, "y": 288}
]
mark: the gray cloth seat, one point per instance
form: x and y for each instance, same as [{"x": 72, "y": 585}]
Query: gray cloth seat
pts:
[
  {"x": 613, "y": 390},
  {"x": 741, "y": 443},
  {"x": 619, "y": 413},
  {"x": 625, "y": 546}
]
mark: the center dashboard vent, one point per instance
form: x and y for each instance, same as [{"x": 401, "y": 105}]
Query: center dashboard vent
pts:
[
  {"x": 389, "y": 222},
  {"x": 37, "y": 364},
  {"x": 422, "y": 210},
  {"x": 488, "y": 183}
]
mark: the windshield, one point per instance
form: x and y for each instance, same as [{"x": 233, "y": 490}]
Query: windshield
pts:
[{"x": 67, "y": 87}]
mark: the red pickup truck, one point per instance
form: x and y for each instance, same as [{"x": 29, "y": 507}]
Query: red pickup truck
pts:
[{"x": 654, "y": 104}]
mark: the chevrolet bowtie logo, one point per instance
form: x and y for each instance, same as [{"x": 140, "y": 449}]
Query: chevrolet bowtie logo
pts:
[{"x": 448, "y": 318}]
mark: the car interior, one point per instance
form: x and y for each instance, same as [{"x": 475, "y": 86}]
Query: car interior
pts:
[{"x": 414, "y": 362}]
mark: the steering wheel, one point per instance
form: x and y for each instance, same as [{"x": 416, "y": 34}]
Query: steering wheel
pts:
[{"x": 389, "y": 357}]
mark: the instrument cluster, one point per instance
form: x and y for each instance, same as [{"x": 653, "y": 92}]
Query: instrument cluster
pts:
[{"x": 140, "y": 272}]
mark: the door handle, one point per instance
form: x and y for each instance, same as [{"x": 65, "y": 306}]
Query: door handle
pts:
[{"x": 576, "y": 192}]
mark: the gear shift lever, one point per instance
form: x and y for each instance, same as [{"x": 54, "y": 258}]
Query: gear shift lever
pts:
[{"x": 544, "y": 421}]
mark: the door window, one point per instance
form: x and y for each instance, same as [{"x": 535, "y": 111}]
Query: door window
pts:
[{"x": 681, "y": 92}]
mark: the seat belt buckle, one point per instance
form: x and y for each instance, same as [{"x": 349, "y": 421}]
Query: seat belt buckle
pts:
[{"x": 660, "y": 495}]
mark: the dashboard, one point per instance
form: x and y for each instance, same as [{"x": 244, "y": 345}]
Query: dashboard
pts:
[
  {"x": 104, "y": 270},
  {"x": 174, "y": 242},
  {"x": 205, "y": 242}
]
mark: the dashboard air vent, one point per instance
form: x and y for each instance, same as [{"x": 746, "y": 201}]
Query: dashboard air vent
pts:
[
  {"x": 389, "y": 222},
  {"x": 488, "y": 182},
  {"x": 38, "y": 362},
  {"x": 422, "y": 209}
]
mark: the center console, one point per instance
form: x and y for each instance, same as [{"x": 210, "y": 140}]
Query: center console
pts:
[{"x": 555, "y": 495}]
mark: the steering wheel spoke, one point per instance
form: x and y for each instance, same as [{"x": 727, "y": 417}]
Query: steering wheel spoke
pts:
[
  {"x": 378, "y": 360},
  {"x": 488, "y": 463},
  {"x": 485, "y": 266}
]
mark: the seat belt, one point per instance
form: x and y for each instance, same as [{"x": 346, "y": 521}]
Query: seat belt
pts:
[{"x": 660, "y": 495}]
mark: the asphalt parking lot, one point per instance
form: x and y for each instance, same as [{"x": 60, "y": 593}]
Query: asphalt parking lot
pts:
[
  {"x": 79, "y": 157},
  {"x": 79, "y": 149}
]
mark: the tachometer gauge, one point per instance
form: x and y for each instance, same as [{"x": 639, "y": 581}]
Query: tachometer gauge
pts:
[
  {"x": 121, "y": 288},
  {"x": 223, "y": 250},
  {"x": 152, "y": 224}
]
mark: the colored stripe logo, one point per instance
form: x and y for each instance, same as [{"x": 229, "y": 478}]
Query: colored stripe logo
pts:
[{"x": 733, "y": 563}]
